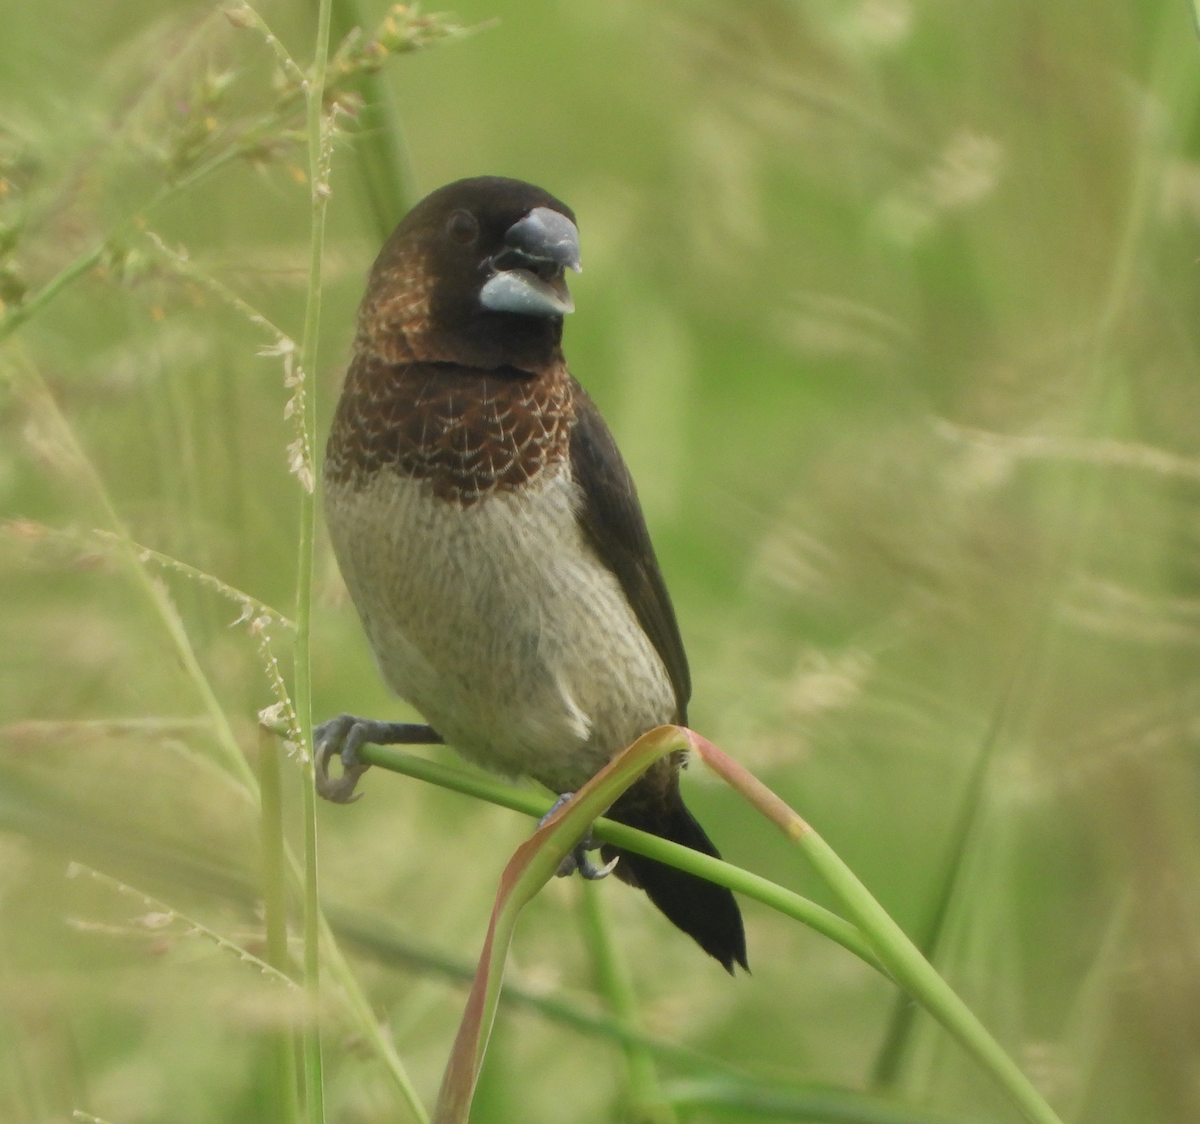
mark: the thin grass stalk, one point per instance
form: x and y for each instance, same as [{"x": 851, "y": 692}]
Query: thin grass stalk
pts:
[
  {"x": 71, "y": 272},
  {"x": 647, "y": 1103},
  {"x": 720, "y": 1099},
  {"x": 166, "y": 914},
  {"x": 314, "y": 1096},
  {"x": 274, "y": 881},
  {"x": 32, "y": 387},
  {"x": 16, "y": 316},
  {"x": 893, "y": 1055},
  {"x": 250, "y": 606},
  {"x": 313, "y": 1080},
  {"x": 342, "y": 974},
  {"x": 382, "y": 131}
]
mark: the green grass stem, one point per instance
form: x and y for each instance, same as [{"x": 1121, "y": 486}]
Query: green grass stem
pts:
[
  {"x": 892, "y": 1058},
  {"x": 319, "y": 167},
  {"x": 380, "y": 145},
  {"x": 878, "y": 939},
  {"x": 647, "y": 1103},
  {"x": 274, "y": 882},
  {"x": 904, "y": 962},
  {"x": 532, "y": 865},
  {"x": 812, "y": 1104}
]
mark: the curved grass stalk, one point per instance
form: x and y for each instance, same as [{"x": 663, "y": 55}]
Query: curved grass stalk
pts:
[
  {"x": 63, "y": 827},
  {"x": 901, "y": 958},
  {"x": 533, "y": 865},
  {"x": 787, "y": 902},
  {"x": 251, "y": 607}
]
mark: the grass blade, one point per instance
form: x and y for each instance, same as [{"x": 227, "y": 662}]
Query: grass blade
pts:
[
  {"x": 531, "y": 867},
  {"x": 286, "y": 1109}
]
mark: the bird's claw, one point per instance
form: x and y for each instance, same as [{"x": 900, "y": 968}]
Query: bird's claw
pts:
[
  {"x": 577, "y": 859},
  {"x": 339, "y": 737}
]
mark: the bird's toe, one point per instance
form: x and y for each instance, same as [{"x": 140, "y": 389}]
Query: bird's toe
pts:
[{"x": 338, "y": 737}]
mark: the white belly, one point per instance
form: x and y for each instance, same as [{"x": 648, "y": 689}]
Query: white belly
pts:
[{"x": 499, "y": 624}]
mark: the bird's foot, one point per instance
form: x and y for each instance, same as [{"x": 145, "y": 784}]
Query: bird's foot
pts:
[
  {"x": 578, "y": 859},
  {"x": 342, "y": 736}
]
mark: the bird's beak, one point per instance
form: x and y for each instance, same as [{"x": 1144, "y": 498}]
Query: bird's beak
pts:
[{"x": 527, "y": 275}]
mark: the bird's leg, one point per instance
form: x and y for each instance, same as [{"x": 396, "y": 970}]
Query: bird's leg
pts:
[
  {"x": 342, "y": 736},
  {"x": 578, "y": 859}
]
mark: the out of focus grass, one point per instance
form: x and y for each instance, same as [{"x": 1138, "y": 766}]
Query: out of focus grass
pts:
[{"x": 894, "y": 310}]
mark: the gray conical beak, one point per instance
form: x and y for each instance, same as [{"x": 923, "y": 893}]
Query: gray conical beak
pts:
[
  {"x": 527, "y": 275},
  {"x": 548, "y": 236}
]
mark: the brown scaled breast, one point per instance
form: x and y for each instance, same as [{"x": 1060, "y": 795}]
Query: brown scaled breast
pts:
[{"x": 467, "y": 431}]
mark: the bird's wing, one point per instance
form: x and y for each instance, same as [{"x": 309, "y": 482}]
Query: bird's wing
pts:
[{"x": 612, "y": 519}]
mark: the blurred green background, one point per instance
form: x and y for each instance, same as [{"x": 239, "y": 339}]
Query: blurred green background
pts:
[{"x": 894, "y": 308}]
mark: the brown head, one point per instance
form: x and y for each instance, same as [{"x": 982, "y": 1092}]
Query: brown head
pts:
[{"x": 474, "y": 275}]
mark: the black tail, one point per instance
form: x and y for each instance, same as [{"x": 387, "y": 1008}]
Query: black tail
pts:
[{"x": 705, "y": 911}]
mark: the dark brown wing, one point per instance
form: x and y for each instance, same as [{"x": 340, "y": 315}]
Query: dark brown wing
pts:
[{"x": 612, "y": 519}]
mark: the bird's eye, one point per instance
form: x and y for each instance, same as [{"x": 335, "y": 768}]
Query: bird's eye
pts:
[{"x": 462, "y": 227}]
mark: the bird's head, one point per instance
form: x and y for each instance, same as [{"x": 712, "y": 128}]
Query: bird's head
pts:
[{"x": 475, "y": 274}]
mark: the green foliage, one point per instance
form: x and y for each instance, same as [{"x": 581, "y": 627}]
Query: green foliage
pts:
[{"x": 893, "y": 307}]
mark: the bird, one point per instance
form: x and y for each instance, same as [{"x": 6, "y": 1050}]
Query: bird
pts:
[{"x": 490, "y": 535}]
